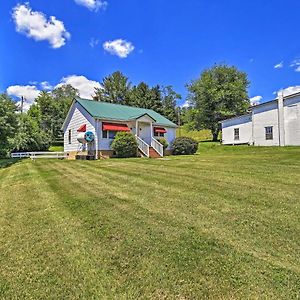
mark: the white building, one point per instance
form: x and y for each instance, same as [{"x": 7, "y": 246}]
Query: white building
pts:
[
  {"x": 274, "y": 123},
  {"x": 103, "y": 120}
]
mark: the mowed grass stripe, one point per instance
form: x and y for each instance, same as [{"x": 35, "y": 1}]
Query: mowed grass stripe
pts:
[
  {"x": 121, "y": 182},
  {"x": 256, "y": 225},
  {"x": 93, "y": 174},
  {"x": 47, "y": 251},
  {"x": 185, "y": 234}
]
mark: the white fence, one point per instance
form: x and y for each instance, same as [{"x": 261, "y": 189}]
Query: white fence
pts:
[{"x": 35, "y": 155}]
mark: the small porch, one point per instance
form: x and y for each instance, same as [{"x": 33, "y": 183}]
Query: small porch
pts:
[{"x": 143, "y": 128}]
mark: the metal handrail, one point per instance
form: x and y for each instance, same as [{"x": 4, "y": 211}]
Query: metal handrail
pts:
[
  {"x": 157, "y": 146},
  {"x": 143, "y": 146}
]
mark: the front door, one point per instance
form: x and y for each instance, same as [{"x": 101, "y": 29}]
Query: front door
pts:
[{"x": 145, "y": 132}]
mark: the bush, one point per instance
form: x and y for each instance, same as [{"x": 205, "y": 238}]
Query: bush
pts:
[
  {"x": 124, "y": 145},
  {"x": 184, "y": 146},
  {"x": 164, "y": 142}
]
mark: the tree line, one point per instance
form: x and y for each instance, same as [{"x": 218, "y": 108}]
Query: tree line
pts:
[{"x": 219, "y": 93}]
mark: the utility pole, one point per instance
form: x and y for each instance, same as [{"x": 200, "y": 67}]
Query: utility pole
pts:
[
  {"x": 179, "y": 122},
  {"x": 22, "y": 104}
]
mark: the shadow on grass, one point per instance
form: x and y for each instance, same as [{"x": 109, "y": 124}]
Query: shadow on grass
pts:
[{"x": 6, "y": 163}]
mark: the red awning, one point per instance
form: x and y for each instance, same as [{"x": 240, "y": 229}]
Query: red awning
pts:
[
  {"x": 115, "y": 127},
  {"x": 82, "y": 128},
  {"x": 160, "y": 130}
]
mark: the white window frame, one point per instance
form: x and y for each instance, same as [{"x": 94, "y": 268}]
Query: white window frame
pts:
[{"x": 269, "y": 136}]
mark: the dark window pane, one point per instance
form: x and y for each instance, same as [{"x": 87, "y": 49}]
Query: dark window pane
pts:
[
  {"x": 104, "y": 134},
  {"x": 112, "y": 134}
]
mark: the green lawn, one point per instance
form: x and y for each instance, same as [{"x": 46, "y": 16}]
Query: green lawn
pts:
[{"x": 223, "y": 224}]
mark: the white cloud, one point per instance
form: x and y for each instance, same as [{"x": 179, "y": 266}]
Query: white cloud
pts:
[
  {"x": 255, "y": 100},
  {"x": 93, "y": 5},
  {"x": 29, "y": 92},
  {"x": 290, "y": 90},
  {"x": 45, "y": 85},
  {"x": 85, "y": 86},
  {"x": 35, "y": 25},
  {"x": 296, "y": 65},
  {"x": 279, "y": 66},
  {"x": 94, "y": 42},
  {"x": 119, "y": 47},
  {"x": 186, "y": 104}
]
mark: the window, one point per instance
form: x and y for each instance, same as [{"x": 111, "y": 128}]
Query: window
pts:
[
  {"x": 269, "y": 132},
  {"x": 70, "y": 136},
  {"x": 236, "y": 134},
  {"x": 159, "y": 131},
  {"x": 109, "y": 134},
  {"x": 159, "y": 134},
  {"x": 112, "y": 134}
]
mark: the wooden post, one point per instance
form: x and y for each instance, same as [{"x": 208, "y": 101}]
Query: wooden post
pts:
[{"x": 151, "y": 128}]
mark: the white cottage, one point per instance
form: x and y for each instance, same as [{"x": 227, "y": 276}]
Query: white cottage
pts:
[
  {"x": 274, "y": 123},
  {"x": 103, "y": 120}
]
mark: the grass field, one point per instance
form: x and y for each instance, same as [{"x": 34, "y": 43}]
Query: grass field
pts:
[
  {"x": 200, "y": 136},
  {"x": 223, "y": 224}
]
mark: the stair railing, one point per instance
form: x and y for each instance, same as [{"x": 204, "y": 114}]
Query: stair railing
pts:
[
  {"x": 157, "y": 146},
  {"x": 143, "y": 146}
]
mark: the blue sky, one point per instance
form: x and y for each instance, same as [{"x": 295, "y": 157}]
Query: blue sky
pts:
[{"x": 156, "y": 41}]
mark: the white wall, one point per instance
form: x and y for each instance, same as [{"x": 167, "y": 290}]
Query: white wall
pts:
[
  {"x": 291, "y": 110},
  {"x": 244, "y": 125},
  {"x": 264, "y": 116},
  {"x": 77, "y": 117},
  {"x": 170, "y": 135},
  {"x": 104, "y": 143}
]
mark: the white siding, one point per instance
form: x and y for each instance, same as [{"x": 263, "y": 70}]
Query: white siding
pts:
[
  {"x": 77, "y": 117},
  {"x": 170, "y": 135},
  {"x": 264, "y": 116},
  {"x": 104, "y": 143},
  {"x": 292, "y": 121},
  {"x": 244, "y": 125}
]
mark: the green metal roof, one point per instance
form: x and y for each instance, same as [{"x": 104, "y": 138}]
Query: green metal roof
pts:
[{"x": 110, "y": 111}]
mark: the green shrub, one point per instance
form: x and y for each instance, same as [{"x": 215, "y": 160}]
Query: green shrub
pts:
[
  {"x": 184, "y": 146},
  {"x": 164, "y": 142},
  {"x": 124, "y": 145}
]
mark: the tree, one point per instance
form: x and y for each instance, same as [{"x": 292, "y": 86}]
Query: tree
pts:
[
  {"x": 189, "y": 118},
  {"x": 145, "y": 97},
  {"x": 30, "y": 137},
  {"x": 219, "y": 93},
  {"x": 115, "y": 89},
  {"x": 8, "y": 123},
  {"x": 50, "y": 109},
  {"x": 169, "y": 100}
]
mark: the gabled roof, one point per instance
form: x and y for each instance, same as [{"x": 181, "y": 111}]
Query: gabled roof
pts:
[{"x": 117, "y": 112}]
